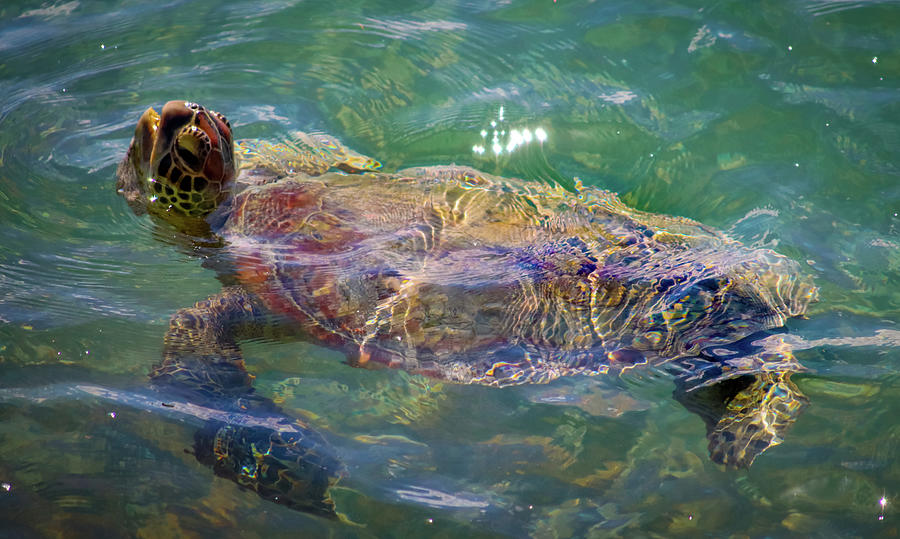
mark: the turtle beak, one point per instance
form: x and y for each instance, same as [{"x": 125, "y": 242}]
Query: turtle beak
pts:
[
  {"x": 135, "y": 168},
  {"x": 144, "y": 137}
]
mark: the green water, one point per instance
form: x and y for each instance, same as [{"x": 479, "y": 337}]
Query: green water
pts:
[{"x": 776, "y": 121}]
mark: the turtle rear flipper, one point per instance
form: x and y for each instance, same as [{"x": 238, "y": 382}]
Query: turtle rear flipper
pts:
[
  {"x": 745, "y": 416},
  {"x": 259, "y": 447},
  {"x": 304, "y": 153}
]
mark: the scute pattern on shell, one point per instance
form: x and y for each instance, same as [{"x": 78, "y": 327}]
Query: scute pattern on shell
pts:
[{"x": 479, "y": 279}]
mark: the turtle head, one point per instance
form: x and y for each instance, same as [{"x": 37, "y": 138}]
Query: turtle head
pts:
[{"x": 180, "y": 165}]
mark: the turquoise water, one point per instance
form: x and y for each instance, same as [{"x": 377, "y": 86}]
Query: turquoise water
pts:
[{"x": 778, "y": 122}]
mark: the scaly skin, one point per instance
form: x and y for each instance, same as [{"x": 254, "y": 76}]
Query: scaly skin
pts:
[{"x": 457, "y": 274}]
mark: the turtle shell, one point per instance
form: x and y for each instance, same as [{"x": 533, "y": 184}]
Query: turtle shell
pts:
[{"x": 452, "y": 272}]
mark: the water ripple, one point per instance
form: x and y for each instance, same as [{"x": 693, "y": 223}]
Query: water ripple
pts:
[{"x": 776, "y": 122}]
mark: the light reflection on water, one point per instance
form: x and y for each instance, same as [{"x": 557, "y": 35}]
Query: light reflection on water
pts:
[
  {"x": 502, "y": 142},
  {"x": 775, "y": 123}
]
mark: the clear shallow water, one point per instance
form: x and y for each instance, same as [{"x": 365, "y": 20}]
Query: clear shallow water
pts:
[{"x": 778, "y": 122}]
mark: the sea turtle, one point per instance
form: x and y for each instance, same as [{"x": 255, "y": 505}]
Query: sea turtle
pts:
[{"x": 452, "y": 273}]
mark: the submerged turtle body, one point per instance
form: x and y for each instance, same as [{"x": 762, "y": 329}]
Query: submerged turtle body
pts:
[
  {"x": 453, "y": 273},
  {"x": 457, "y": 274}
]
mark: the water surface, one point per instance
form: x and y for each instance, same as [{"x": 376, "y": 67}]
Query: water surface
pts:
[{"x": 776, "y": 121}]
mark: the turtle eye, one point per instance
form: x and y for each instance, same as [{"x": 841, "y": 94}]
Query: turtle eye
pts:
[{"x": 191, "y": 148}]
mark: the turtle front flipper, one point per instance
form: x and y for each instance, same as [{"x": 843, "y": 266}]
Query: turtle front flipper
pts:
[
  {"x": 290, "y": 465},
  {"x": 201, "y": 356},
  {"x": 304, "y": 153},
  {"x": 258, "y": 447},
  {"x": 744, "y": 416}
]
